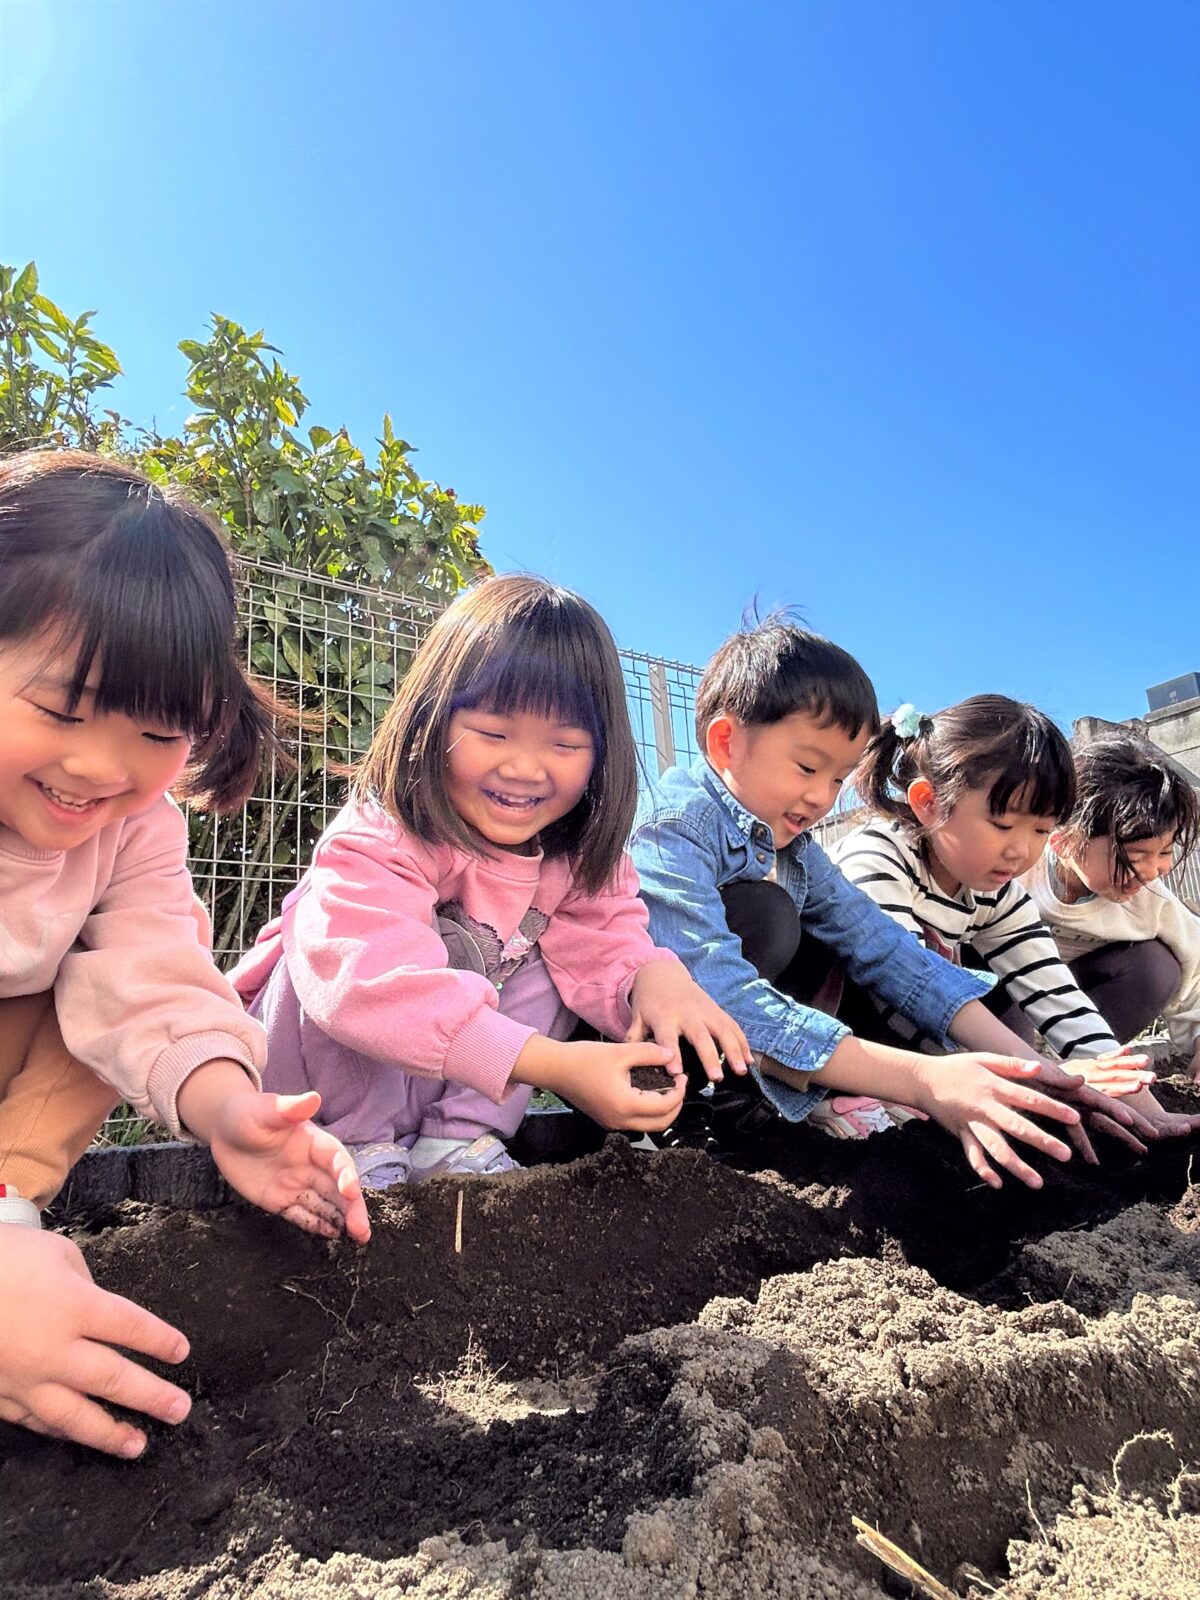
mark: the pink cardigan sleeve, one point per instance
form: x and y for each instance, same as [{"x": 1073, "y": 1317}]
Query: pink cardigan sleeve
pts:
[
  {"x": 593, "y": 947},
  {"x": 139, "y": 997},
  {"x": 369, "y": 967}
]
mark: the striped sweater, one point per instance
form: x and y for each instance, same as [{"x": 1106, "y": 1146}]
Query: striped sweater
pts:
[{"x": 1003, "y": 927}]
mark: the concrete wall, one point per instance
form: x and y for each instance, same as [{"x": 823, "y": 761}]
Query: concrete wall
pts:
[{"x": 1175, "y": 730}]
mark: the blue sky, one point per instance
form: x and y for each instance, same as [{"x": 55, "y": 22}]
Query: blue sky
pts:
[{"x": 887, "y": 311}]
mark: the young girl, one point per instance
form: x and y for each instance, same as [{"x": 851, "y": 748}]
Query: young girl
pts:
[
  {"x": 474, "y": 899},
  {"x": 966, "y": 801},
  {"x": 118, "y": 681},
  {"x": 1132, "y": 947}
]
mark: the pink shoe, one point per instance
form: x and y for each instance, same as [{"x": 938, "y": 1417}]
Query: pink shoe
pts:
[{"x": 857, "y": 1116}]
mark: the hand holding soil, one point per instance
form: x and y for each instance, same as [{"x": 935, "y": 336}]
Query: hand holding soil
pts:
[
  {"x": 668, "y": 1005},
  {"x": 56, "y": 1333},
  {"x": 595, "y": 1078}
]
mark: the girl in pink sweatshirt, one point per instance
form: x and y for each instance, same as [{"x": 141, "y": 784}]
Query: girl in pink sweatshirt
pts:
[
  {"x": 119, "y": 680},
  {"x": 474, "y": 901}
]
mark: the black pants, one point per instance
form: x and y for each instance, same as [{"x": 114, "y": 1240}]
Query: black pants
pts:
[
  {"x": 1128, "y": 983},
  {"x": 765, "y": 920}
]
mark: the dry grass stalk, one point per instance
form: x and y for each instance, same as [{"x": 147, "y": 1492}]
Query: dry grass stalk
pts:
[{"x": 900, "y": 1562}]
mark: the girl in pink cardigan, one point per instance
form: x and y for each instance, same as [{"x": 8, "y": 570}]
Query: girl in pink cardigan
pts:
[
  {"x": 119, "y": 680},
  {"x": 474, "y": 901}
]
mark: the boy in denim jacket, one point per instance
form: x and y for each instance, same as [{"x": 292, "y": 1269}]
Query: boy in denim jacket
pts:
[{"x": 767, "y": 925}]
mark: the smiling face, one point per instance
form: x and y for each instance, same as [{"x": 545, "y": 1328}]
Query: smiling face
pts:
[
  {"x": 1095, "y": 864},
  {"x": 787, "y": 773},
  {"x": 65, "y": 773},
  {"x": 975, "y": 848},
  {"x": 511, "y": 776}
]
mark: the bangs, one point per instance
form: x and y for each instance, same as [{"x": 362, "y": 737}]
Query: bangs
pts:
[
  {"x": 539, "y": 663},
  {"x": 1037, "y": 779},
  {"x": 848, "y": 704},
  {"x": 154, "y": 613}
]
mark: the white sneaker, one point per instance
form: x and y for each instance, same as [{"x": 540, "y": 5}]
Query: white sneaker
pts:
[{"x": 15, "y": 1208}]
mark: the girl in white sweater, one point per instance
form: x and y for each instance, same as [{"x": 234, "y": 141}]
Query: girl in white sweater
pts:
[{"x": 1132, "y": 946}]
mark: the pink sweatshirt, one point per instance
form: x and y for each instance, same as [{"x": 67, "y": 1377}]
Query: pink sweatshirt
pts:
[
  {"x": 359, "y": 935},
  {"x": 113, "y": 926}
]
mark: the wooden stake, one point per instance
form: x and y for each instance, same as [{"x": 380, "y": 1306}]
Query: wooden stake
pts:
[
  {"x": 458, "y": 1227},
  {"x": 892, "y": 1556}
]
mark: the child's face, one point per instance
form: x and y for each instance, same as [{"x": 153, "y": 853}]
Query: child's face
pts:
[
  {"x": 788, "y": 773},
  {"x": 981, "y": 851},
  {"x": 1096, "y": 864},
  {"x": 64, "y": 774},
  {"x": 510, "y": 777}
]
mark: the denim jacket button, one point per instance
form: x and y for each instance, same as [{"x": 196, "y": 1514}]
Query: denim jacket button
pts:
[{"x": 759, "y": 856}]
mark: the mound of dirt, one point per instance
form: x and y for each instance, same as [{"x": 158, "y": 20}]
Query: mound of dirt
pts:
[{"x": 651, "y": 1375}]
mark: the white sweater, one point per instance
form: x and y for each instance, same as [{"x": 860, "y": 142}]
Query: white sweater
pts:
[
  {"x": 1003, "y": 926},
  {"x": 1152, "y": 913}
]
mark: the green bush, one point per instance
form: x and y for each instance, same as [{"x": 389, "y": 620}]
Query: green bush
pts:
[{"x": 352, "y": 533}]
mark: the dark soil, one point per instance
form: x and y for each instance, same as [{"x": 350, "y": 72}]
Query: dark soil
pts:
[{"x": 652, "y": 1374}]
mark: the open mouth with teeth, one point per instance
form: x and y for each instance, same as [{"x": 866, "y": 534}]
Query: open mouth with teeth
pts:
[
  {"x": 67, "y": 802},
  {"x": 518, "y": 804}
]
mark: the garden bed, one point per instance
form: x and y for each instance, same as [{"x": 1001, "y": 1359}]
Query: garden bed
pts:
[{"x": 650, "y": 1376}]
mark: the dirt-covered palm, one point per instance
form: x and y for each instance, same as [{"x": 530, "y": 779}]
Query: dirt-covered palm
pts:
[{"x": 268, "y": 1148}]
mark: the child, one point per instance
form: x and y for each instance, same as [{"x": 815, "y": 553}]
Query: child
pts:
[
  {"x": 735, "y": 885},
  {"x": 474, "y": 899},
  {"x": 1131, "y": 946},
  {"x": 965, "y": 802},
  {"x": 119, "y": 681}
]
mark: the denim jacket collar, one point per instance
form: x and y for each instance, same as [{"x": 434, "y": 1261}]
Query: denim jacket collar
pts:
[{"x": 751, "y": 827}]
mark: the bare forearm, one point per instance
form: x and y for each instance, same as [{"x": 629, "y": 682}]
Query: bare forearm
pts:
[
  {"x": 975, "y": 1028},
  {"x": 204, "y": 1091},
  {"x": 857, "y": 1066}
]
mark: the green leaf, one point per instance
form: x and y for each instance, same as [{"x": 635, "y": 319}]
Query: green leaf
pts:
[{"x": 26, "y": 285}]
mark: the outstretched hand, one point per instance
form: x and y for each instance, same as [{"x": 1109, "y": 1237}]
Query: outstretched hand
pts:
[
  {"x": 980, "y": 1098},
  {"x": 273, "y": 1154},
  {"x": 61, "y": 1339}
]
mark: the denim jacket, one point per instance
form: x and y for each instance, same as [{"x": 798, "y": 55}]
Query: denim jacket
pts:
[{"x": 690, "y": 840}]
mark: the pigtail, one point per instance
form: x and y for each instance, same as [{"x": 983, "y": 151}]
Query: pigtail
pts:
[{"x": 889, "y": 764}]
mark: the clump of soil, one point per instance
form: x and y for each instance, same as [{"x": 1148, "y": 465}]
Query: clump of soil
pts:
[{"x": 652, "y": 1375}]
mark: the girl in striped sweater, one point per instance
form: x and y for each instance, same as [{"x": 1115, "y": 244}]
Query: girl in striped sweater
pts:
[{"x": 965, "y": 801}]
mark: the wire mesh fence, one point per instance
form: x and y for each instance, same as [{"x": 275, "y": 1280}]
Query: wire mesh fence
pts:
[{"x": 338, "y": 651}]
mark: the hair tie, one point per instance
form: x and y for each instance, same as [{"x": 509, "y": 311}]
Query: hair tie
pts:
[{"x": 907, "y": 722}]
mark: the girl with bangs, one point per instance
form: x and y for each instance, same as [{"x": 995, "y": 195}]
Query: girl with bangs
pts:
[
  {"x": 966, "y": 801},
  {"x": 1132, "y": 946},
  {"x": 119, "y": 682},
  {"x": 473, "y": 902}
]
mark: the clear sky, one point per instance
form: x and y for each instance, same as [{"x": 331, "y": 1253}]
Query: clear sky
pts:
[{"x": 889, "y": 311}]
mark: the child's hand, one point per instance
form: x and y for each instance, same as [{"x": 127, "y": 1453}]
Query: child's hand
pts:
[
  {"x": 595, "y": 1078},
  {"x": 1117, "y": 1075},
  {"x": 1161, "y": 1123},
  {"x": 972, "y": 1096},
  {"x": 668, "y": 1003},
  {"x": 57, "y": 1338},
  {"x": 268, "y": 1149}
]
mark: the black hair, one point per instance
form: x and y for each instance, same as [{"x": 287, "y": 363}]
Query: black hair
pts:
[
  {"x": 1013, "y": 749},
  {"x": 512, "y": 644},
  {"x": 1129, "y": 791},
  {"x": 774, "y": 668},
  {"x": 133, "y": 579}
]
